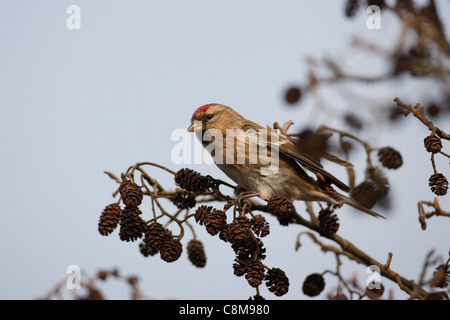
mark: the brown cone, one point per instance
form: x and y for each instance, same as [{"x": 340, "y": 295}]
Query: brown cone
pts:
[
  {"x": 433, "y": 144},
  {"x": 215, "y": 222},
  {"x": 328, "y": 222},
  {"x": 156, "y": 235},
  {"x": 277, "y": 282},
  {"x": 131, "y": 193},
  {"x": 390, "y": 158},
  {"x": 313, "y": 285},
  {"x": 171, "y": 250},
  {"x": 109, "y": 219},
  {"x": 280, "y": 206},
  {"x": 254, "y": 273},
  {"x": 439, "y": 184},
  {"x": 191, "y": 180},
  {"x": 132, "y": 226},
  {"x": 196, "y": 253}
]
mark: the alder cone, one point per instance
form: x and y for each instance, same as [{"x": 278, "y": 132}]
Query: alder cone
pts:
[
  {"x": 260, "y": 226},
  {"x": 171, "y": 250},
  {"x": 390, "y": 158},
  {"x": 202, "y": 213},
  {"x": 109, "y": 219},
  {"x": 156, "y": 235},
  {"x": 433, "y": 144},
  {"x": 184, "y": 200},
  {"x": 254, "y": 273},
  {"x": 196, "y": 253},
  {"x": 328, "y": 222},
  {"x": 277, "y": 282},
  {"x": 313, "y": 285},
  {"x": 439, "y": 184},
  {"x": 215, "y": 222},
  {"x": 131, "y": 193},
  {"x": 280, "y": 206},
  {"x": 132, "y": 226},
  {"x": 191, "y": 180}
]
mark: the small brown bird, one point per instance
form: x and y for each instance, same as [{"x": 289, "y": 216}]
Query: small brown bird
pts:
[{"x": 264, "y": 162}]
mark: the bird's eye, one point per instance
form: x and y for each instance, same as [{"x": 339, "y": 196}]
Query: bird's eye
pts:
[{"x": 209, "y": 116}]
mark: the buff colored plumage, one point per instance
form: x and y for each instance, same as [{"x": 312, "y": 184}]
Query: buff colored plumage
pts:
[{"x": 262, "y": 161}]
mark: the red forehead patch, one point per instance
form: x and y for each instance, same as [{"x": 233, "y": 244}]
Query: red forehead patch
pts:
[{"x": 203, "y": 108}]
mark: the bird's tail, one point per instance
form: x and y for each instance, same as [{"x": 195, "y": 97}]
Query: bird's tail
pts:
[{"x": 356, "y": 205}]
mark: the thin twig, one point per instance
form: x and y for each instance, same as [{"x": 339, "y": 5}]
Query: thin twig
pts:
[{"x": 418, "y": 112}]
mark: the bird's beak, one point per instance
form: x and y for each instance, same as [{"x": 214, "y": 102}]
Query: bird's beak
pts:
[{"x": 195, "y": 126}]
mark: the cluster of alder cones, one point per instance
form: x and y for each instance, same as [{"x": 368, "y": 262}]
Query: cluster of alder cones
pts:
[
  {"x": 235, "y": 224},
  {"x": 438, "y": 182},
  {"x": 243, "y": 232},
  {"x": 132, "y": 226}
]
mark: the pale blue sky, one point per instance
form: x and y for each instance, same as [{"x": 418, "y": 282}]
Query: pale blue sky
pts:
[{"x": 76, "y": 102}]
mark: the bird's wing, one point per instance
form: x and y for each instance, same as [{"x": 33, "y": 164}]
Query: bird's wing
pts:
[
  {"x": 356, "y": 205},
  {"x": 288, "y": 148}
]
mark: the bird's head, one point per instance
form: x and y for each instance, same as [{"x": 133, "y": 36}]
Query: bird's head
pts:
[{"x": 214, "y": 116}]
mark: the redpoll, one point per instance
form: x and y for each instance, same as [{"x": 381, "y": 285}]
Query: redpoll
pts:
[{"x": 264, "y": 162}]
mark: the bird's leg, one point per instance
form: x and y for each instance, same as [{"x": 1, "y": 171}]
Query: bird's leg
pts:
[
  {"x": 242, "y": 202},
  {"x": 248, "y": 194}
]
